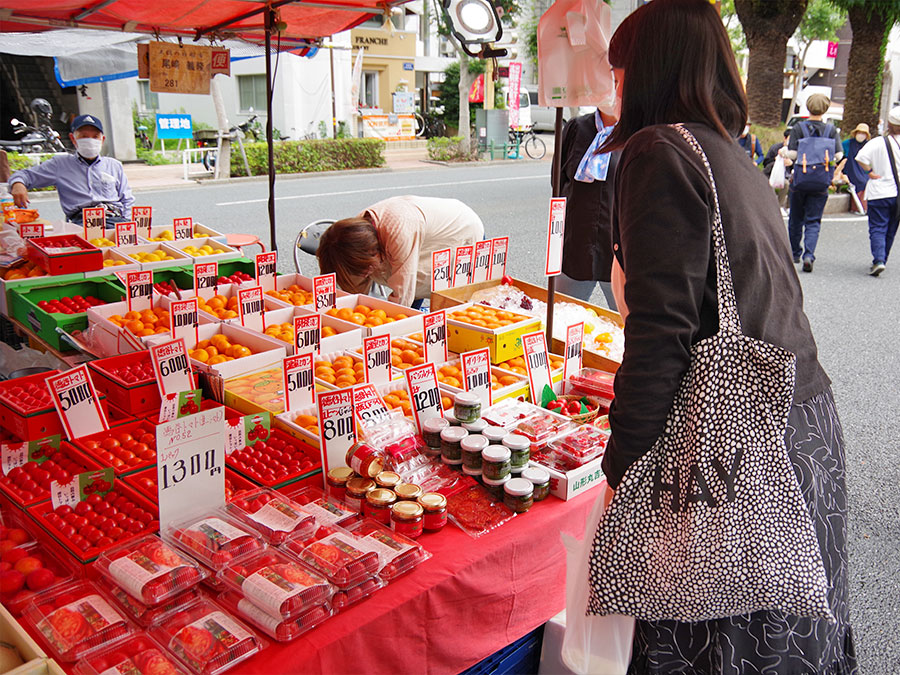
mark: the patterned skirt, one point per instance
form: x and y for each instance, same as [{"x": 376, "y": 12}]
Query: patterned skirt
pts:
[{"x": 771, "y": 643}]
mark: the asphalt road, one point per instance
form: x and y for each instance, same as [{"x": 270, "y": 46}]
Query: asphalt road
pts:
[{"x": 855, "y": 319}]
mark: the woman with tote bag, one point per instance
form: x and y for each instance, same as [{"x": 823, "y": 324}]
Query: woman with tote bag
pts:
[{"x": 726, "y": 534}]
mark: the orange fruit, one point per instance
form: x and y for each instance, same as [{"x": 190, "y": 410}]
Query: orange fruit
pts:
[
  {"x": 343, "y": 362},
  {"x": 345, "y": 313},
  {"x": 446, "y": 402},
  {"x": 362, "y": 309},
  {"x": 374, "y": 322},
  {"x": 507, "y": 380},
  {"x": 378, "y": 314},
  {"x": 357, "y": 318},
  {"x": 240, "y": 351},
  {"x": 132, "y": 315},
  {"x": 135, "y": 326},
  {"x": 328, "y": 331}
]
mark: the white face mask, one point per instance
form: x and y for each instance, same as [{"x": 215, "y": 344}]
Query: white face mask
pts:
[
  {"x": 88, "y": 147},
  {"x": 746, "y": 130},
  {"x": 861, "y": 138}
]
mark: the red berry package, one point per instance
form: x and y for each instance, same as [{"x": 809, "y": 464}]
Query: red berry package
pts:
[
  {"x": 139, "y": 655},
  {"x": 282, "y": 630},
  {"x": 276, "y": 517},
  {"x": 215, "y": 540}
]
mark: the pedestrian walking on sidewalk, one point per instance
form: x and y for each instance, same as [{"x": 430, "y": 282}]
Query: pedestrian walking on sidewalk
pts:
[
  {"x": 854, "y": 172},
  {"x": 881, "y": 190}
]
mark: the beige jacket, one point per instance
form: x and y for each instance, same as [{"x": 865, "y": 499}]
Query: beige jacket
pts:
[{"x": 411, "y": 228}]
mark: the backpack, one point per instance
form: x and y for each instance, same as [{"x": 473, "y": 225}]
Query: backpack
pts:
[{"x": 814, "y": 166}]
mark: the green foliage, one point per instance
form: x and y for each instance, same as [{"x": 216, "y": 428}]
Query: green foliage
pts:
[
  {"x": 323, "y": 130},
  {"x": 890, "y": 9},
  {"x": 442, "y": 149},
  {"x": 733, "y": 27},
  {"x": 768, "y": 136},
  {"x": 18, "y": 162},
  {"x": 448, "y": 91},
  {"x": 342, "y": 131},
  {"x": 821, "y": 21},
  {"x": 153, "y": 158},
  {"x": 310, "y": 156}
]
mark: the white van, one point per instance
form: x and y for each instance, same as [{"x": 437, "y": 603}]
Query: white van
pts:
[
  {"x": 525, "y": 120},
  {"x": 544, "y": 117}
]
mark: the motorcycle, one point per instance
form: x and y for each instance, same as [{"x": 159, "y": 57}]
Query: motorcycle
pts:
[
  {"x": 42, "y": 138},
  {"x": 235, "y": 134}
]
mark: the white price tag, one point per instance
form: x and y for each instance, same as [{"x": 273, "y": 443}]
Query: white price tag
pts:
[
  {"x": 462, "y": 269},
  {"x": 377, "y": 359},
  {"x": 31, "y": 230},
  {"x": 13, "y": 455},
  {"x": 184, "y": 228},
  {"x": 555, "y": 230},
  {"x": 535, "y": 345},
  {"x": 369, "y": 407},
  {"x": 435, "y": 337},
  {"x": 250, "y": 308},
  {"x": 441, "y": 271},
  {"x": 307, "y": 333},
  {"x": 499, "y": 248},
  {"x": 574, "y": 346},
  {"x": 206, "y": 275},
  {"x": 324, "y": 291},
  {"x": 126, "y": 234},
  {"x": 424, "y": 393},
  {"x": 337, "y": 432},
  {"x": 139, "y": 286},
  {"x": 481, "y": 270},
  {"x": 476, "y": 367},
  {"x": 182, "y": 404},
  {"x": 299, "y": 386},
  {"x": 81, "y": 486},
  {"x": 94, "y": 222},
  {"x": 266, "y": 263},
  {"x": 143, "y": 215},
  {"x": 190, "y": 466},
  {"x": 183, "y": 320},
  {"x": 171, "y": 367},
  {"x": 77, "y": 402}
]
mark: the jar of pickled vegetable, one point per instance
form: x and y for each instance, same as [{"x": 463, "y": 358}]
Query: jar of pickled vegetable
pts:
[
  {"x": 435, "y": 507},
  {"x": 337, "y": 481},
  {"x": 540, "y": 479},
  {"x": 451, "y": 444},
  {"x": 408, "y": 491},
  {"x": 431, "y": 434},
  {"x": 518, "y": 494},
  {"x": 475, "y": 427},
  {"x": 357, "y": 489},
  {"x": 408, "y": 519},
  {"x": 520, "y": 451},
  {"x": 451, "y": 418},
  {"x": 378, "y": 505},
  {"x": 495, "y": 435},
  {"x": 365, "y": 460},
  {"x": 388, "y": 479},
  {"x": 495, "y": 487},
  {"x": 472, "y": 447},
  {"x": 466, "y": 407},
  {"x": 495, "y": 462}
]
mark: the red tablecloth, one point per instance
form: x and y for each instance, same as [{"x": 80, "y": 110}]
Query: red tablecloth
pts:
[{"x": 472, "y": 598}]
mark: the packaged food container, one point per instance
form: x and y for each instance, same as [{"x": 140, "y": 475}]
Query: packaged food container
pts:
[
  {"x": 542, "y": 427},
  {"x": 144, "y": 615},
  {"x": 357, "y": 489},
  {"x": 495, "y": 435},
  {"x": 451, "y": 418},
  {"x": 75, "y": 619},
  {"x": 495, "y": 487},
  {"x": 326, "y": 510},
  {"x": 520, "y": 451},
  {"x": 466, "y": 407},
  {"x": 434, "y": 505},
  {"x": 495, "y": 462},
  {"x": 582, "y": 445},
  {"x": 343, "y": 599},
  {"x": 594, "y": 382},
  {"x": 388, "y": 479},
  {"x": 41, "y": 570},
  {"x": 338, "y": 557},
  {"x": 215, "y": 540},
  {"x": 518, "y": 494},
  {"x": 281, "y": 630},
  {"x": 138, "y": 655},
  {"x": 508, "y": 412},
  {"x": 475, "y": 427},
  {"x": 337, "y": 479},
  {"x": 472, "y": 447},
  {"x": 407, "y": 518},
  {"x": 365, "y": 459},
  {"x": 275, "y": 516},
  {"x": 451, "y": 444},
  {"x": 277, "y": 584},
  {"x": 397, "y": 554},
  {"x": 408, "y": 491},
  {"x": 378, "y": 505},
  {"x": 475, "y": 473},
  {"x": 208, "y": 638},
  {"x": 431, "y": 432},
  {"x": 150, "y": 570},
  {"x": 540, "y": 480}
]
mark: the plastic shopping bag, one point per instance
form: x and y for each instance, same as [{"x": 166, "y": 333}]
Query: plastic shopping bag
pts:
[
  {"x": 776, "y": 178},
  {"x": 599, "y": 645}
]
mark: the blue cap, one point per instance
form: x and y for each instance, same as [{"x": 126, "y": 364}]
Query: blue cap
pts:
[{"x": 86, "y": 120}]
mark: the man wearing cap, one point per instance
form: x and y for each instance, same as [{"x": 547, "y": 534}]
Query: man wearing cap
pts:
[
  {"x": 851, "y": 169},
  {"x": 881, "y": 190},
  {"x": 82, "y": 180}
]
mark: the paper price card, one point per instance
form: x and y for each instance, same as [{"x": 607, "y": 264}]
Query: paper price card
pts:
[
  {"x": 184, "y": 228},
  {"x": 77, "y": 402},
  {"x": 13, "y": 455},
  {"x": 435, "y": 336},
  {"x": 369, "y": 407},
  {"x": 190, "y": 465},
  {"x": 377, "y": 359},
  {"x": 423, "y": 393},
  {"x": 171, "y": 367},
  {"x": 182, "y": 404},
  {"x": 476, "y": 367},
  {"x": 299, "y": 386},
  {"x": 246, "y": 431},
  {"x": 555, "y": 230},
  {"x": 250, "y": 308},
  {"x": 94, "y": 220},
  {"x": 82, "y": 486},
  {"x": 324, "y": 290},
  {"x": 574, "y": 342},
  {"x": 206, "y": 276},
  {"x": 126, "y": 234},
  {"x": 265, "y": 270},
  {"x": 31, "y": 230},
  {"x": 140, "y": 290},
  {"x": 481, "y": 270},
  {"x": 441, "y": 272},
  {"x": 183, "y": 320},
  {"x": 337, "y": 432},
  {"x": 499, "y": 248},
  {"x": 536, "y": 363},
  {"x": 307, "y": 333},
  {"x": 142, "y": 216},
  {"x": 462, "y": 270}
]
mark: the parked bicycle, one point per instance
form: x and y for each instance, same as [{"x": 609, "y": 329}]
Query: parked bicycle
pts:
[
  {"x": 430, "y": 125},
  {"x": 527, "y": 139}
]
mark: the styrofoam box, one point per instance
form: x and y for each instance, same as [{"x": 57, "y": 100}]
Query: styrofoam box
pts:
[
  {"x": 569, "y": 484},
  {"x": 227, "y": 253},
  {"x": 180, "y": 258},
  {"x": 412, "y": 324},
  {"x": 130, "y": 265},
  {"x": 205, "y": 230},
  {"x": 285, "y": 422},
  {"x": 350, "y": 339}
]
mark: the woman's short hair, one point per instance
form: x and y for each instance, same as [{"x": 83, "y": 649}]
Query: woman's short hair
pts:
[
  {"x": 818, "y": 104},
  {"x": 679, "y": 67},
  {"x": 350, "y": 248}
]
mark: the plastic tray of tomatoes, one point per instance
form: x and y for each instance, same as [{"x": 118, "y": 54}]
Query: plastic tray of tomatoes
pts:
[
  {"x": 98, "y": 522},
  {"x": 216, "y": 539},
  {"x": 399, "y": 554},
  {"x": 208, "y": 638},
  {"x": 74, "y": 619},
  {"x": 274, "y": 515},
  {"x": 30, "y": 483},
  {"x": 337, "y": 555},
  {"x": 281, "y": 630},
  {"x": 341, "y": 600},
  {"x": 144, "y": 615},
  {"x": 127, "y": 449},
  {"x": 325, "y": 509},
  {"x": 144, "y": 481},
  {"x": 149, "y": 569},
  {"x": 276, "y": 460},
  {"x": 34, "y": 567},
  {"x": 139, "y": 655},
  {"x": 128, "y": 381},
  {"x": 26, "y": 409},
  {"x": 581, "y": 445}
]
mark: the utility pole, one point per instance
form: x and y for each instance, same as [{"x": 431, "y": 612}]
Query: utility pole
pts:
[{"x": 333, "y": 95}]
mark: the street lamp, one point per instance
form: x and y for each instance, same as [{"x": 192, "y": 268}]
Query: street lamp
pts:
[{"x": 475, "y": 24}]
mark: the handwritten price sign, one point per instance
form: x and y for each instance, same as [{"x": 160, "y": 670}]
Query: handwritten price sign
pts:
[
  {"x": 574, "y": 346},
  {"x": 250, "y": 308},
  {"x": 377, "y": 359},
  {"x": 126, "y": 234},
  {"x": 183, "y": 320},
  {"x": 266, "y": 264},
  {"x": 435, "y": 337},
  {"x": 206, "y": 275},
  {"x": 536, "y": 363},
  {"x": 299, "y": 386},
  {"x": 140, "y": 290},
  {"x": 325, "y": 291},
  {"x": 184, "y": 228},
  {"x": 481, "y": 271},
  {"x": 307, "y": 333},
  {"x": 424, "y": 393},
  {"x": 94, "y": 220},
  {"x": 369, "y": 407},
  {"x": 171, "y": 367},
  {"x": 77, "y": 402},
  {"x": 441, "y": 272},
  {"x": 337, "y": 431},
  {"x": 143, "y": 215},
  {"x": 555, "y": 230},
  {"x": 476, "y": 367},
  {"x": 499, "y": 248},
  {"x": 462, "y": 272}
]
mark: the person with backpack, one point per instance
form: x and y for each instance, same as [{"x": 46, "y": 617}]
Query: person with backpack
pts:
[
  {"x": 881, "y": 190},
  {"x": 815, "y": 148},
  {"x": 750, "y": 144}
]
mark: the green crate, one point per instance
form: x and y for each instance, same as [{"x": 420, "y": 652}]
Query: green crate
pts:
[
  {"x": 24, "y": 308},
  {"x": 229, "y": 267},
  {"x": 32, "y": 282}
]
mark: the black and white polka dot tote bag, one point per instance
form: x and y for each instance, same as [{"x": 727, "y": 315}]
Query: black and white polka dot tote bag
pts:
[{"x": 711, "y": 522}]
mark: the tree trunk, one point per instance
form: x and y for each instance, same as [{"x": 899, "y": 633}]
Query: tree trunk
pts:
[
  {"x": 865, "y": 68},
  {"x": 767, "y": 26},
  {"x": 465, "y": 84}
]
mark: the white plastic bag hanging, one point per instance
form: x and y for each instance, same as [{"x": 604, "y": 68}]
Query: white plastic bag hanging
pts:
[
  {"x": 599, "y": 645},
  {"x": 776, "y": 178}
]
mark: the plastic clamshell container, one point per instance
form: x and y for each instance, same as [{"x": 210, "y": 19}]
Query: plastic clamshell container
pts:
[
  {"x": 341, "y": 600},
  {"x": 280, "y": 630},
  {"x": 275, "y": 516},
  {"x": 508, "y": 413},
  {"x": 139, "y": 655},
  {"x": 67, "y": 458},
  {"x": 143, "y": 615},
  {"x": 208, "y": 639},
  {"x": 277, "y": 583},
  {"x": 64, "y": 254},
  {"x": 60, "y": 567},
  {"x": 542, "y": 427},
  {"x": 398, "y": 554},
  {"x": 594, "y": 382},
  {"x": 337, "y": 556},
  {"x": 93, "y": 447},
  {"x": 326, "y": 510},
  {"x": 215, "y": 539},
  {"x": 138, "y": 394},
  {"x": 75, "y": 619},
  {"x": 149, "y": 569},
  {"x": 582, "y": 444},
  {"x": 33, "y": 422}
]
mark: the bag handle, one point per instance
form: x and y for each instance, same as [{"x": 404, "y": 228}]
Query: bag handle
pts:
[
  {"x": 729, "y": 319},
  {"x": 890, "y": 152}
]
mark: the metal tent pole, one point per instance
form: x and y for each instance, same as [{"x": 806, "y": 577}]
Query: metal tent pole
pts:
[
  {"x": 555, "y": 183},
  {"x": 269, "y": 18}
]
